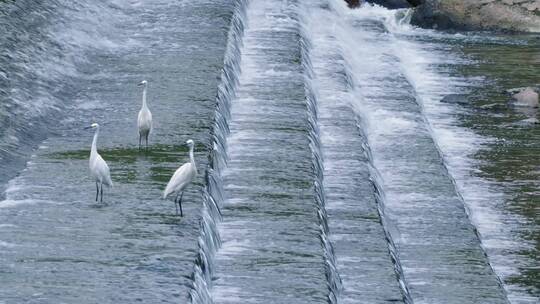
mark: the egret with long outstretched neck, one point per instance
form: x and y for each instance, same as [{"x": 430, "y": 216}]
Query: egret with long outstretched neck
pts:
[
  {"x": 98, "y": 167},
  {"x": 144, "y": 120},
  {"x": 182, "y": 178}
]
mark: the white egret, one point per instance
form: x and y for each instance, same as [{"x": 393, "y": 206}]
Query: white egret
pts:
[
  {"x": 182, "y": 178},
  {"x": 98, "y": 167},
  {"x": 144, "y": 121}
]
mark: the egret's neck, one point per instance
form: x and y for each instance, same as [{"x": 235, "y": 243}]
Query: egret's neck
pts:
[
  {"x": 94, "y": 143},
  {"x": 144, "y": 98},
  {"x": 192, "y": 158}
]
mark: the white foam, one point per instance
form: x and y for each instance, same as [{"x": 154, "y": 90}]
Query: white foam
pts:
[
  {"x": 7, "y": 225},
  {"x": 16, "y": 203},
  {"x": 230, "y": 294},
  {"x": 425, "y": 65},
  {"x": 7, "y": 245},
  {"x": 458, "y": 145}
]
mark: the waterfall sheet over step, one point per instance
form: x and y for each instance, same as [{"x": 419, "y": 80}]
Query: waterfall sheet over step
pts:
[
  {"x": 441, "y": 255},
  {"x": 209, "y": 238},
  {"x": 271, "y": 251},
  {"x": 355, "y": 228}
]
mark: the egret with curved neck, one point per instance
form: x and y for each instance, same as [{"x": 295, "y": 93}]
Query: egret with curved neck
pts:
[
  {"x": 98, "y": 167},
  {"x": 144, "y": 120},
  {"x": 182, "y": 178}
]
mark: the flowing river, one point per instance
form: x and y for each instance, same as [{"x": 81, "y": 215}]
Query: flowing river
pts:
[{"x": 344, "y": 156}]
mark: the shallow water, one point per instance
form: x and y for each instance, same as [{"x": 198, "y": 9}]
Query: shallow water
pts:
[
  {"x": 331, "y": 172},
  {"x": 64, "y": 247},
  {"x": 507, "y": 162}
]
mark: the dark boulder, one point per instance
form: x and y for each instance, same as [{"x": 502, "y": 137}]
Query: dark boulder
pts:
[
  {"x": 430, "y": 15},
  {"x": 416, "y": 2},
  {"x": 353, "y": 3},
  {"x": 391, "y": 4}
]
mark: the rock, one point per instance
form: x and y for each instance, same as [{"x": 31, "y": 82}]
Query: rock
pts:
[
  {"x": 391, "y": 4},
  {"x": 353, "y": 3},
  {"x": 503, "y": 15},
  {"x": 415, "y": 2},
  {"x": 526, "y": 98},
  {"x": 511, "y": 92},
  {"x": 528, "y": 122},
  {"x": 430, "y": 15},
  {"x": 456, "y": 99}
]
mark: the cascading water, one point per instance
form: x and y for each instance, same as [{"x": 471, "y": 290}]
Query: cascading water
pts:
[
  {"x": 400, "y": 142},
  {"x": 394, "y": 254},
  {"x": 333, "y": 82},
  {"x": 418, "y": 94},
  {"x": 332, "y": 274},
  {"x": 44, "y": 55},
  {"x": 433, "y": 68},
  {"x": 209, "y": 240},
  {"x": 271, "y": 231},
  {"x": 457, "y": 145}
]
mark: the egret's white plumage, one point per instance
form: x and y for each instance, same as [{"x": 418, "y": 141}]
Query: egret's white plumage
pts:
[
  {"x": 144, "y": 120},
  {"x": 182, "y": 178},
  {"x": 98, "y": 167}
]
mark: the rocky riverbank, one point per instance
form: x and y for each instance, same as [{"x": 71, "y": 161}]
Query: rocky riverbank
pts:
[{"x": 500, "y": 15}]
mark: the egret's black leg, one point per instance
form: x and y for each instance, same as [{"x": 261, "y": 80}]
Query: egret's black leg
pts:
[
  {"x": 146, "y": 142},
  {"x": 140, "y": 140},
  {"x": 97, "y": 191},
  {"x": 101, "y": 192},
  {"x": 176, "y": 203},
  {"x": 180, "y": 204}
]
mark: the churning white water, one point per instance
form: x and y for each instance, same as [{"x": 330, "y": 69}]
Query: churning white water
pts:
[{"x": 398, "y": 75}]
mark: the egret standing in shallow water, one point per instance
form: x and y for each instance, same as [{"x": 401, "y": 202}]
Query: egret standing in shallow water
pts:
[
  {"x": 182, "y": 178},
  {"x": 98, "y": 167},
  {"x": 144, "y": 121}
]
